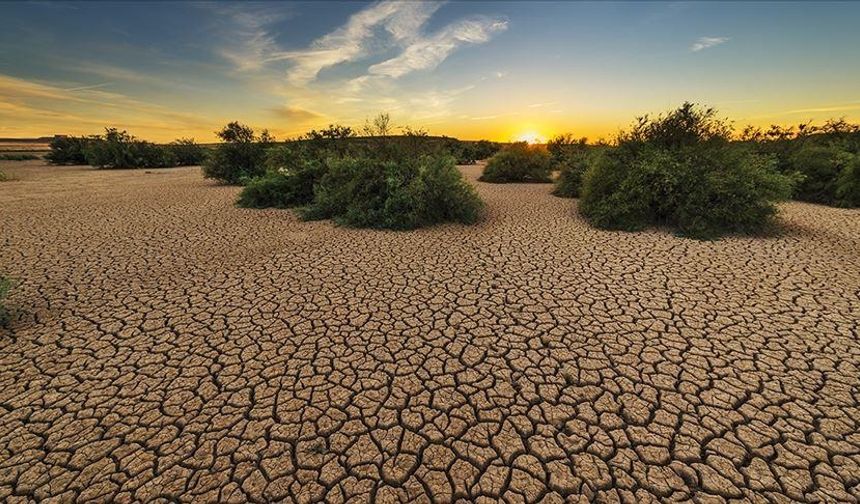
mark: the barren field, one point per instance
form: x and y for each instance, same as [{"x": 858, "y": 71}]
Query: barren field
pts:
[{"x": 166, "y": 345}]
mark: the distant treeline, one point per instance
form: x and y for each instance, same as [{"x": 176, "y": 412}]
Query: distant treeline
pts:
[{"x": 119, "y": 149}]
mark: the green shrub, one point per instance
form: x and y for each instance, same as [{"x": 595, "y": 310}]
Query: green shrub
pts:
[
  {"x": 848, "y": 184},
  {"x": 394, "y": 194},
  {"x": 290, "y": 181},
  {"x": 3, "y": 177},
  {"x": 68, "y": 150},
  {"x": 570, "y": 156},
  {"x": 571, "y": 171},
  {"x": 5, "y": 287},
  {"x": 485, "y": 149},
  {"x": 275, "y": 190},
  {"x": 186, "y": 152},
  {"x": 520, "y": 162},
  {"x": 18, "y": 157},
  {"x": 564, "y": 146},
  {"x": 241, "y": 155},
  {"x": 684, "y": 173},
  {"x": 119, "y": 149},
  {"x": 821, "y": 167}
]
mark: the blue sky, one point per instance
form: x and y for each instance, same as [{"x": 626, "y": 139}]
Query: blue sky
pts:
[{"x": 470, "y": 69}]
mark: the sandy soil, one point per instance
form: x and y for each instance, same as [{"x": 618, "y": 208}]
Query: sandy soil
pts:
[{"x": 169, "y": 346}]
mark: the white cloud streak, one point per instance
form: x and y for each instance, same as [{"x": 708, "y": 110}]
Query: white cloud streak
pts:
[
  {"x": 707, "y": 42},
  {"x": 426, "y": 53},
  {"x": 379, "y": 28},
  {"x": 354, "y": 41}
]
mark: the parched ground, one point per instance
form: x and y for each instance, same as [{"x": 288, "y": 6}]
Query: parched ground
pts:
[{"x": 169, "y": 346}]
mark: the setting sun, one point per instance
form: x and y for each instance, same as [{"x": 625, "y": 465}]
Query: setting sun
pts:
[{"x": 530, "y": 137}]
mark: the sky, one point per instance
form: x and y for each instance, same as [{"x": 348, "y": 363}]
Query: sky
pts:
[{"x": 496, "y": 70}]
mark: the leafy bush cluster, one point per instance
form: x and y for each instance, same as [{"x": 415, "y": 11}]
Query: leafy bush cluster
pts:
[
  {"x": 519, "y": 162},
  {"x": 571, "y": 157},
  {"x": 823, "y": 157},
  {"x": 401, "y": 193},
  {"x": 240, "y": 157},
  {"x": 119, "y": 149},
  {"x": 293, "y": 171},
  {"x": 68, "y": 150},
  {"x": 380, "y": 182},
  {"x": 5, "y": 287},
  {"x": 681, "y": 170},
  {"x": 467, "y": 152},
  {"x": 186, "y": 152}
]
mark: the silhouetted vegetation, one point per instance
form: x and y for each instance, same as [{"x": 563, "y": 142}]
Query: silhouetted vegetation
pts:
[
  {"x": 240, "y": 157},
  {"x": 5, "y": 287},
  {"x": 68, "y": 150},
  {"x": 186, "y": 152},
  {"x": 119, "y": 149},
  {"x": 18, "y": 157},
  {"x": 681, "y": 170},
  {"x": 519, "y": 162}
]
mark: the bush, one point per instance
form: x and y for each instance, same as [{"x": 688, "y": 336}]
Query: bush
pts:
[
  {"x": 186, "y": 152},
  {"x": 394, "y": 194},
  {"x": 240, "y": 157},
  {"x": 570, "y": 156},
  {"x": 290, "y": 182},
  {"x": 485, "y": 149},
  {"x": 18, "y": 157},
  {"x": 680, "y": 170},
  {"x": 5, "y": 287},
  {"x": 119, "y": 149},
  {"x": 848, "y": 184},
  {"x": 821, "y": 167},
  {"x": 571, "y": 172},
  {"x": 68, "y": 150},
  {"x": 520, "y": 162},
  {"x": 274, "y": 190}
]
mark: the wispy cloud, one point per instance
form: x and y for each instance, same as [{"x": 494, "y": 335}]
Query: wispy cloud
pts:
[
  {"x": 251, "y": 45},
  {"x": 428, "y": 52},
  {"x": 92, "y": 86},
  {"x": 381, "y": 27},
  {"x": 832, "y": 108},
  {"x": 707, "y": 42},
  {"x": 84, "y": 109},
  {"x": 542, "y": 104},
  {"x": 295, "y": 114}
]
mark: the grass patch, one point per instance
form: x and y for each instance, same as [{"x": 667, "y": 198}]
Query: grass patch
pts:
[{"x": 5, "y": 287}]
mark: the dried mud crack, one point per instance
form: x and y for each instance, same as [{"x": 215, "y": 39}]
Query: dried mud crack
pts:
[{"x": 168, "y": 346}]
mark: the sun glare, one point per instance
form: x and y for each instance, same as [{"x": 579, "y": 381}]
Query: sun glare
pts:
[{"x": 531, "y": 137}]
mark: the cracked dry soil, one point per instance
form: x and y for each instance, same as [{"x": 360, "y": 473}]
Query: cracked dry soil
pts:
[{"x": 167, "y": 346}]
